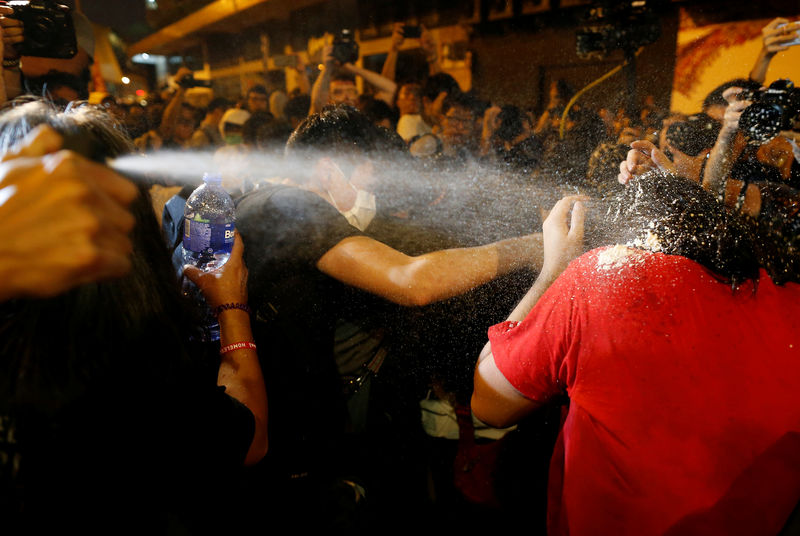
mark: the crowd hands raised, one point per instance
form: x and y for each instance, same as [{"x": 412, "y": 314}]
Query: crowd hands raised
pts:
[{"x": 343, "y": 224}]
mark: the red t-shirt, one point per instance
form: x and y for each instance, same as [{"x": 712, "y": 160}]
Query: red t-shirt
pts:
[{"x": 684, "y": 413}]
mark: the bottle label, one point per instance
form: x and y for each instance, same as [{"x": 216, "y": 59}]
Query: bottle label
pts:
[{"x": 203, "y": 237}]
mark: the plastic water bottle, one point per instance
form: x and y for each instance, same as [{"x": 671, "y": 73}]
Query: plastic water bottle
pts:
[
  {"x": 208, "y": 225},
  {"x": 208, "y": 228}
]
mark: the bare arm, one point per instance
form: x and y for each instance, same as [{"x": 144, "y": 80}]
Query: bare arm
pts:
[
  {"x": 494, "y": 400},
  {"x": 390, "y": 65},
  {"x": 386, "y": 87},
  {"x": 429, "y": 46},
  {"x": 721, "y": 158},
  {"x": 173, "y": 108},
  {"x": 375, "y": 267},
  {"x": 301, "y": 77},
  {"x": 320, "y": 92},
  {"x": 239, "y": 370},
  {"x": 774, "y": 37}
]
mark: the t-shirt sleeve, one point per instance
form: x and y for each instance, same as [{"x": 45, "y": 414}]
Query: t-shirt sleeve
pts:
[
  {"x": 536, "y": 355},
  {"x": 290, "y": 224}
]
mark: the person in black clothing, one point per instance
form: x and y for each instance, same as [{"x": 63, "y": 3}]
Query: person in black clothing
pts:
[{"x": 117, "y": 418}]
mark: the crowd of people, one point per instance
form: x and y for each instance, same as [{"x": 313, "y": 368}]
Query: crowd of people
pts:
[{"x": 637, "y": 274}]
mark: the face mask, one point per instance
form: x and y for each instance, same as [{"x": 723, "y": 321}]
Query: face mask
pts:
[
  {"x": 233, "y": 139},
  {"x": 363, "y": 210}
]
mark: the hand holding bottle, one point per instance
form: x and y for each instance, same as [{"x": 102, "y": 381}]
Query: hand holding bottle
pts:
[{"x": 227, "y": 284}]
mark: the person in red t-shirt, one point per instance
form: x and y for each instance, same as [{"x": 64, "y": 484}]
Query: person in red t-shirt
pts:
[{"x": 681, "y": 359}]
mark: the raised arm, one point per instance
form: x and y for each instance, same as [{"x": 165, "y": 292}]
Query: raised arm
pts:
[
  {"x": 320, "y": 91},
  {"x": 775, "y": 37},
  {"x": 390, "y": 64},
  {"x": 494, "y": 400},
  {"x": 429, "y": 47},
  {"x": 386, "y": 87},
  {"x": 722, "y": 156},
  {"x": 239, "y": 368},
  {"x": 375, "y": 267},
  {"x": 173, "y": 109}
]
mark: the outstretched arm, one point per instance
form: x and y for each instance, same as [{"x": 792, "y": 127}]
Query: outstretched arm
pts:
[
  {"x": 375, "y": 267},
  {"x": 494, "y": 400}
]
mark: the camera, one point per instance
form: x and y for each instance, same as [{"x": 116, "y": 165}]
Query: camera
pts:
[
  {"x": 774, "y": 109},
  {"x": 345, "y": 48},
  {"x": 411, "y": 31},
  {"x": 697, "y": 133},
  {"x": 612, "y": 25},
  {"x": 49, "y": 31}
]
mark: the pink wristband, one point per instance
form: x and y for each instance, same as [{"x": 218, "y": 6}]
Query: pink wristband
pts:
[{"x": 237, "y": 346}]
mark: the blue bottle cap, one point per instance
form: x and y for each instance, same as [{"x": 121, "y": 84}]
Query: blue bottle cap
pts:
[{"x": 212, "y": 178}]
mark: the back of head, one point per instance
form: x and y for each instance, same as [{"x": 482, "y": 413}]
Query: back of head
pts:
[
  {"x": 218, "y": 104},
  {"x": 676, "y": 216},
  {"x": 338, "y": 130},
  {"x": 96, "y": 327},
  {"x": 714, "y": 98},
  {"x": 511, "y": 123},
  {"x": 258, "y": 88},
  {"x": 377, "y": 110},
  {"x": 297, "y": 107},
  {"x": 460, "y": 100},
  {"x": 264, "y": 131},
  {"x": 438, "y": 83}
]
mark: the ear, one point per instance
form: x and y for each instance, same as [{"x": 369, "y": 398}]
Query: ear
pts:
[{"x": 325, "y": 172}]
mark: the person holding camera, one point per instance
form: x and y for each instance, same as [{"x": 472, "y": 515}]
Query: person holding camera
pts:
[
  {"x": 55, "y": 65},
  {"x": 401, "y": 32},
  {"x": 336, "y": 83},
  {"x": 177, "y": 122},
  {"x": 779, "y": 35}
]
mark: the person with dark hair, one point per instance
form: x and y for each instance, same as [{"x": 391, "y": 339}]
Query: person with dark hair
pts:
[
  {"x": 308, "y": 258},
  {"x": 177, "y": 122},
  {"x": 257, "y": 99},
  {"x": 336, "y": 84},
  {"x": 296, "y": 109},
  {"x": 208, "y": 134},
  {"x": 61, "y": 80},
  {"x": 83, "y": 446},
  {"x": 377, "y": 111},
  {"x": 263, "y": 131},
  {"x": 667, "y": 345},
  {"x": 459, "y": 128},
  {"x": 435, "y": 90},
  {"x": 507, "y": 135},
  {"x": 715, "y": 102}
]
